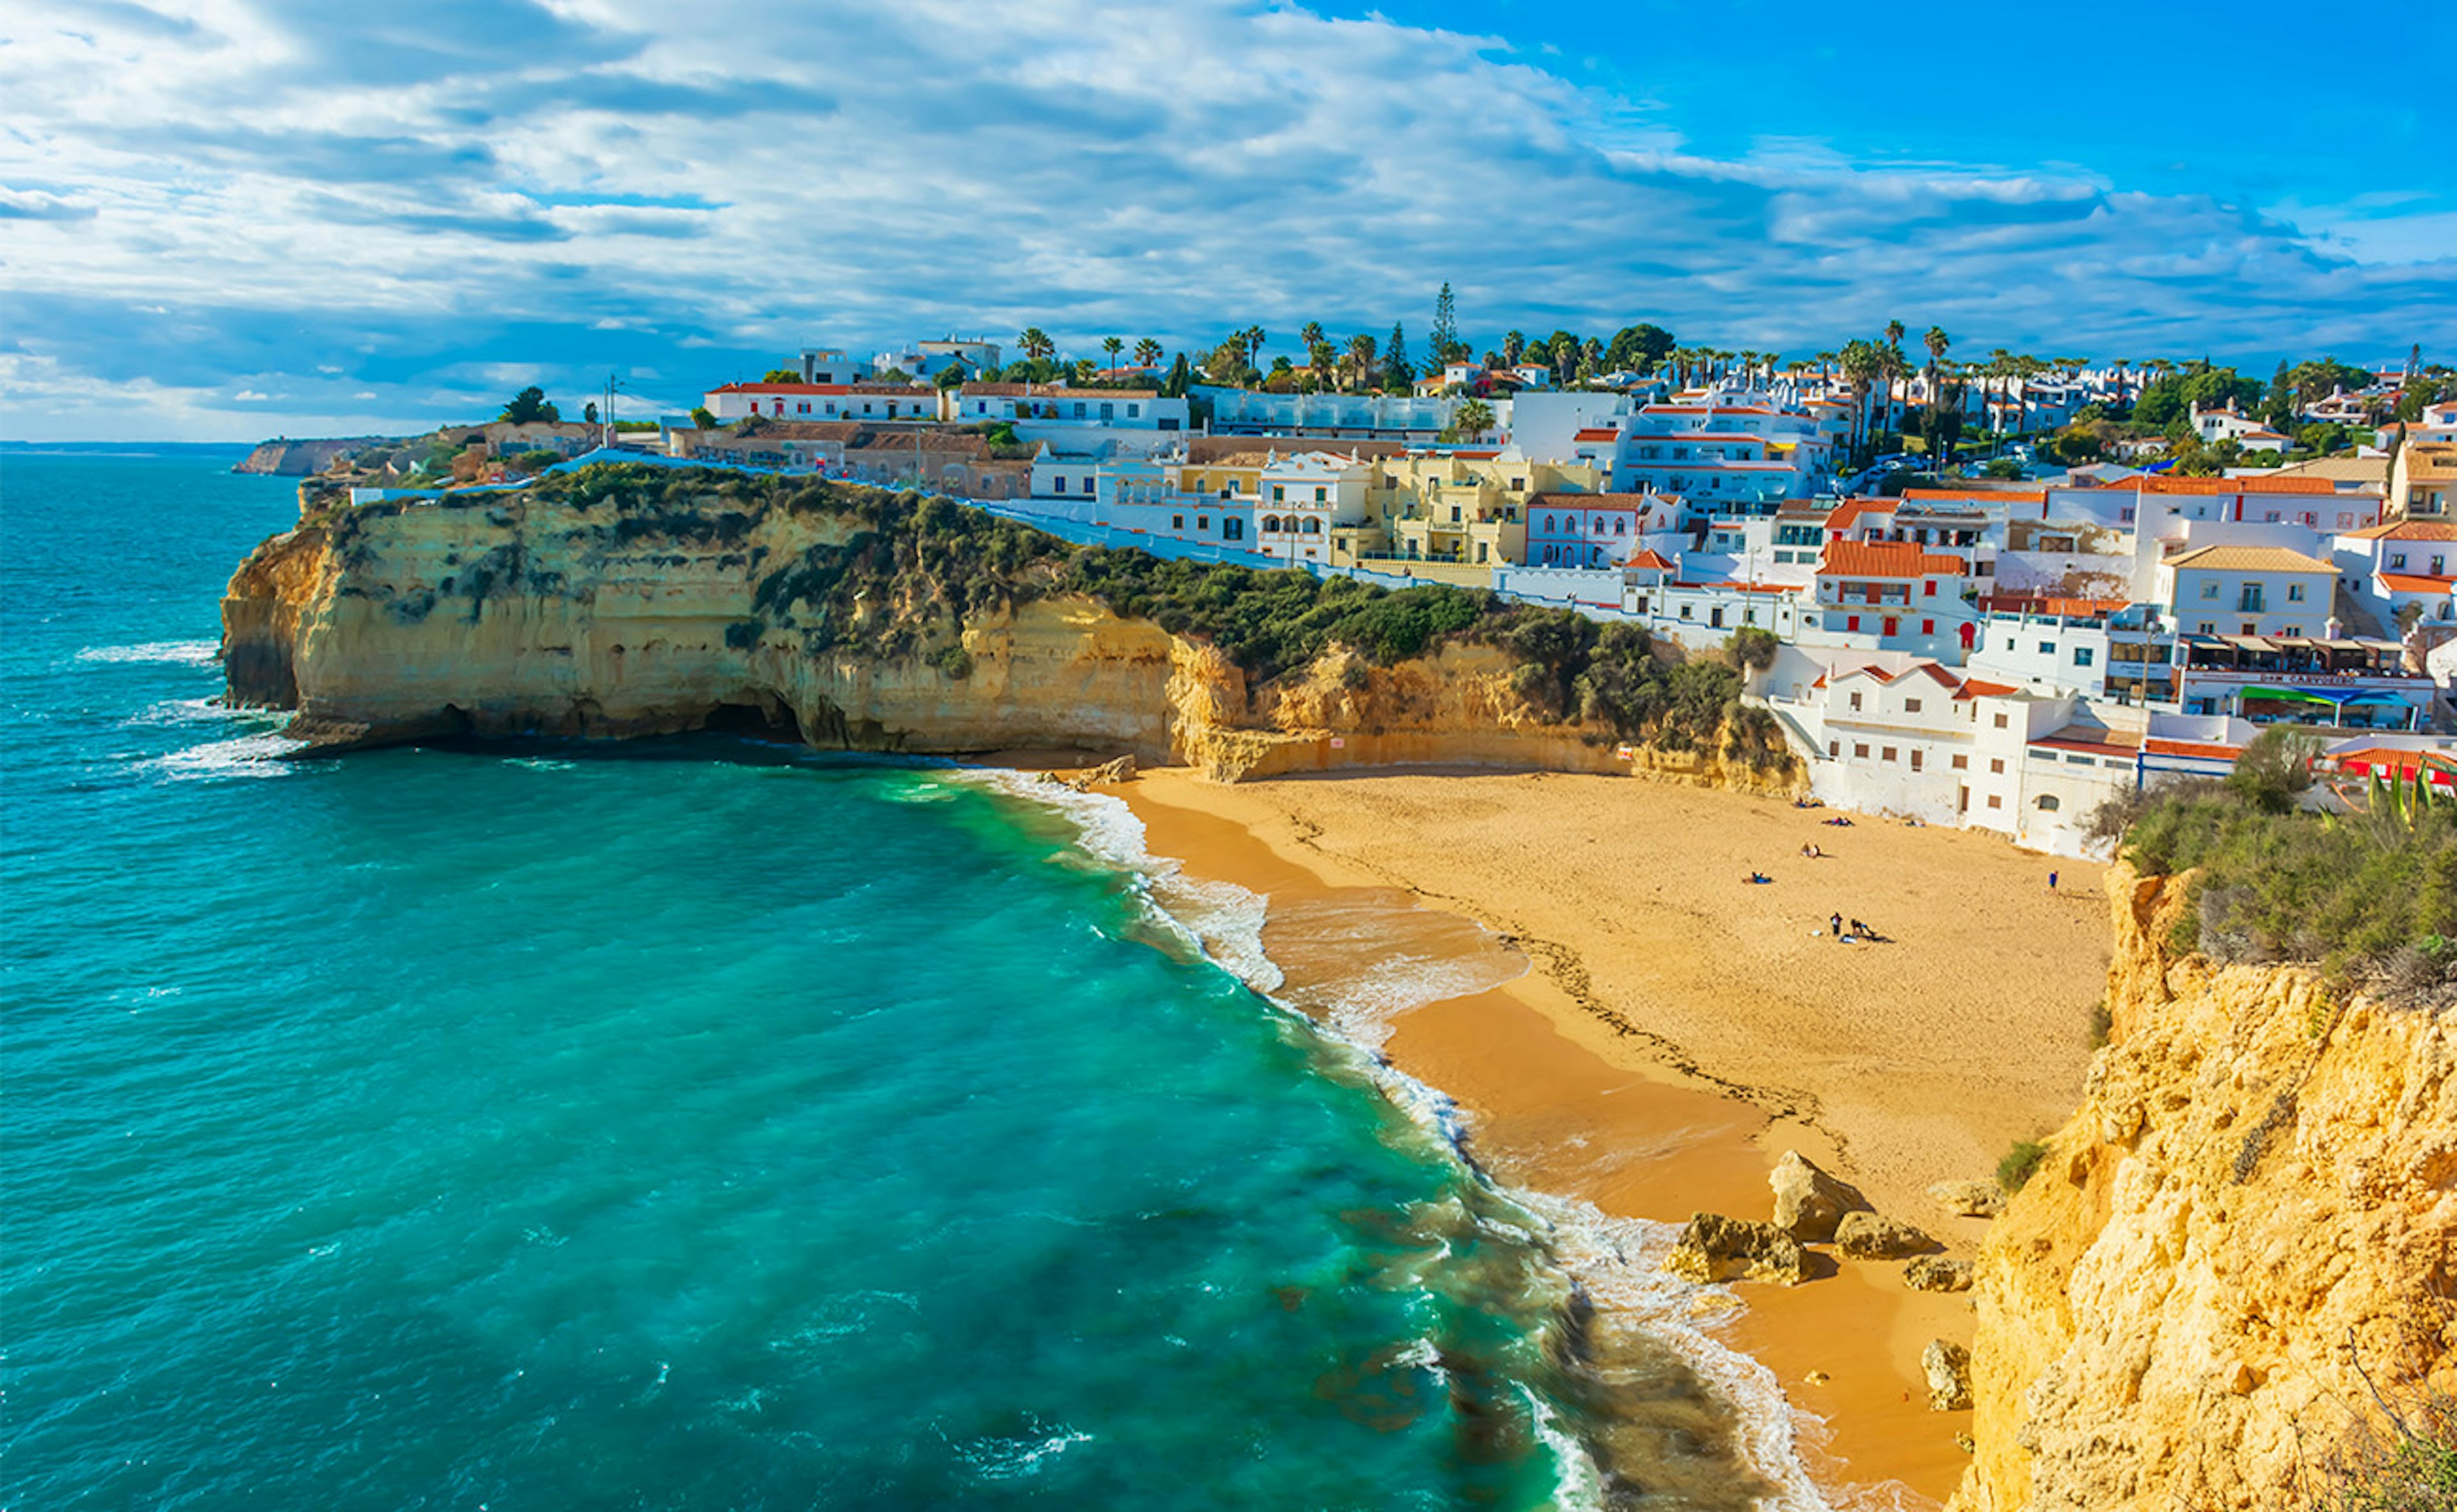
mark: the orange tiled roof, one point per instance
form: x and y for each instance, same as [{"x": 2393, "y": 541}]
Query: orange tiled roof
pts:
[
  {"x": 1885, "y": 559},
  {"x": 2160, "y": 745},
  {"x": 2405, "y": 530},
  {"x": 1975, "y": 688},
  {"x": 2415, "y": 583},
  {"x": 2166, "y": 484},
  {"x": 1649, "y": 560},
  {"x": 1982, "y": 495}
]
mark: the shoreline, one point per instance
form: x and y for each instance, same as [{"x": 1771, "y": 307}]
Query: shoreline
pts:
[{"x": 1560, "y": 1090}]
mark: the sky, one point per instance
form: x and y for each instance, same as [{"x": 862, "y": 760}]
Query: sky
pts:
[{"x": 227, "y": 219}]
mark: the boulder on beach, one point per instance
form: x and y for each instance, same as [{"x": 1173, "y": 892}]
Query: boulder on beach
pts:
[
  {"x": 1937, "y": 1272},
  {"x": 1969, "y": 1199},
  {"x": 1947, "y": 1367},
  {"x": 1809, "y": 1202},
  {"x": 1714, "y": 1247},
  {"x": 1870, "y": 1236}
]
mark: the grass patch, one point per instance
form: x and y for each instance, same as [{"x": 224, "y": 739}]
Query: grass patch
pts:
[
  {"x": 2101, "y": 1021},
  {"x": 2020, "y": 1163}
]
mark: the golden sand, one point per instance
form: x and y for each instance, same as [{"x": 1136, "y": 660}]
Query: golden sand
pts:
[{"x": 1683, "y": 1027}]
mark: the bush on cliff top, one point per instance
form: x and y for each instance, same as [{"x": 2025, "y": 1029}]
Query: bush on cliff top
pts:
[
  {"x": 2371, "y": 897},
  {"x": 924, "y": 564}
]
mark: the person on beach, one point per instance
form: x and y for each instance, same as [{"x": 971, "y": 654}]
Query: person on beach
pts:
[
  {"x": 2051, "y": 881},
  {"x": 1836, "y": 924}
]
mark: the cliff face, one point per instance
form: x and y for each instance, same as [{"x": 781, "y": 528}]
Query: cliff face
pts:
[
  {"x": 509, "y": 615},
  {"x": 2258, "y": 1192},
  {"x": 298, "y": 459}
]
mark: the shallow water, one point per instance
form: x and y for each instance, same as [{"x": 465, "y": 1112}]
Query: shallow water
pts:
[{"x": 688, "y": 1124}]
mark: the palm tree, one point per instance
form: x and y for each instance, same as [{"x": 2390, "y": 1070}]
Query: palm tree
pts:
[
  {"x": 1111, "y": 346},
  {"x": 1147, "y": 353},
  {"x": 1894, "y": 334},
  {"x": 1036, "y": 344},
  {"x": 1473, "y": 419},
  {"x": 1361, "y": 361}
]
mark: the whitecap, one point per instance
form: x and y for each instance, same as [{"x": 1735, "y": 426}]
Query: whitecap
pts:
[
  {"x": 248, "y": 755},
  {"x": 177, "y": 653},
  {"x": 1013, "y": 1458}
]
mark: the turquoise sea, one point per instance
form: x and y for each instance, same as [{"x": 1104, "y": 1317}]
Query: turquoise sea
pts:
[{"x": 693, "y": 1124}]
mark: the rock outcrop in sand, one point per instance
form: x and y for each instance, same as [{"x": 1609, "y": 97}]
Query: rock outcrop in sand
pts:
[
  {"x": 523, "y": 614},
  {"x": 2258, "y": 1196}
]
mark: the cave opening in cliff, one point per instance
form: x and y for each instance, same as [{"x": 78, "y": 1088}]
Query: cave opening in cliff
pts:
[{"x": 763, "y": 720}]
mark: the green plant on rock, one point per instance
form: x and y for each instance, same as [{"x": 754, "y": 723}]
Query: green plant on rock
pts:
[{"x": 2019, "y": 1165}]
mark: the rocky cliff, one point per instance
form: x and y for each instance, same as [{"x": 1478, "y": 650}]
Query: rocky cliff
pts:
[
  {"x": 2253, "y": 1210},
  {"x": 298, "y": 459},
  {"x": 637, "y": 612}
]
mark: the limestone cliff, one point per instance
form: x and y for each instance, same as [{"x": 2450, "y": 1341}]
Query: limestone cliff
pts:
[
  {"x": 619, "y": 615},
  {"x": 2259, "y": 1194}
]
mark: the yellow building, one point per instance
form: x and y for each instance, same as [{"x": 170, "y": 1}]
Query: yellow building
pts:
[
  {"x": 1465, "y": 509},
  {"x": 2422, "y": 482}
]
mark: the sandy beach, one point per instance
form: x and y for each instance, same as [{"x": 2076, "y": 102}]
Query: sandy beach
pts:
[{"x": 1676, "y": 1029}]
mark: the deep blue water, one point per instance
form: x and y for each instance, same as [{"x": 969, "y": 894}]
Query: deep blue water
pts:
[{"x": 695, "y": 1125}]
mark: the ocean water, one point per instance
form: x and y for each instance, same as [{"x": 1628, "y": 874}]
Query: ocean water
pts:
[{"x": 698, "y": 1124}]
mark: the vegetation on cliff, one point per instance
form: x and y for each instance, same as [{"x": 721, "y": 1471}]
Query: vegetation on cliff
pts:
[
  {"x": 2371, "y": 896},
  {"x": 917, "y": 568}
]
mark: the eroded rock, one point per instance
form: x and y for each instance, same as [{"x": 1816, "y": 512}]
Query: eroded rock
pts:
[
  {"x": 1715, "y": 1247},
  {"x": 1969, "y": 1199},
  {"x": 1948, "y": 1368},
  {"x": 1807, "y": 1201},
  {"x": 1872, "y": 1236},
  {"x": 1937, "y": 1272}
]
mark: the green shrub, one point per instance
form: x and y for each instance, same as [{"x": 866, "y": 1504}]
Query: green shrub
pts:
[
  {"x": 2020, "y": 1163},
  {"x": 2403, "y": 1461},
  {"x": 2354, "y": 893}
]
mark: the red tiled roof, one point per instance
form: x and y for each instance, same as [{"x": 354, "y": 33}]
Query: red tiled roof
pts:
[
  {"x": 2415, "y": 583},
  {"x": 1851, "y": 510},
  {"x": 1885, "y": 559},
  {"x": 1974, "y": 687},
  {"x": 781, "y": 388},
  {"x": 1983, "y": 495},
  {"x": 2405, "y": 530},
  {"x": 2167, "y": 484},
  {"x": 2160, "y": 745},
  {"x": 1599, "y": 433},
  {"x": 1650, "y": 561}
]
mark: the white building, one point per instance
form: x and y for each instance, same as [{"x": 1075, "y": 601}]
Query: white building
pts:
[
  {"x": 830, "y": 364},
  {"x": 1893, "y": 597},
  {"x": 821, "y": 401},
  {"x": 1081, "y": 420},
  {"x": 1305, "y": 498},
  {"x": 930, "y": 358},
  {"x": 2246, "y": 590}
]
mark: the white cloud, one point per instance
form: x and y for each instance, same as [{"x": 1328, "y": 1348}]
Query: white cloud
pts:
[{"x": 373, "y": 207}]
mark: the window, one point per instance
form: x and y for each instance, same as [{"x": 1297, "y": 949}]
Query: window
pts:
[
  {"x": 1888, "y": 753},
  {"x": 1861, "y": 751},
  {"x": 1928, "y": 587},
  {"x": 1314, "y": 528},
  {"x": 1853, "y": 623},
  {"x": 1079, "y": 409},
  {"x": 1910, "y": 706},
  {"x": 1996, "y": 802},
  {"x": 1202, "y": 521},
  {"x": 2081, "y": 655},
  {"x": 2209, "y": 591},
  {"x": 2000, "y": 721},
  {"x": 1962, "y": 763},
  {"x": 1177, "y": 522},
  {"x": 1928, "y": 627},
  {"x": 2207, "y": 629},
  {"x": 1319, "y": 496},
  {"x": 2397, "y": 561},
  {"x": 1279, "y": 493},
  {"x": 1834, "y": 748},
  {"x": 2295, "y": 593},
  {"x": 1548, "y": 525},
  {"x": 1058, "y": 485},
  {"x": 1108, "y": 412},
  {"x": 1893, "y": 627},
  {"x": 1855, "y": 700},
  {"x": 1915, "y": 759},
  {"x": 1517, "y": 484},
  {"x": 2048, "y": 803},
  {"x": 1134, "y": 411}
]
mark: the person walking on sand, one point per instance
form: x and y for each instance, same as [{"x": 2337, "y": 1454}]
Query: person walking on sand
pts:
[
  {"x": 2051, "y": 881},
  {"x": 1835, "y": 924}
]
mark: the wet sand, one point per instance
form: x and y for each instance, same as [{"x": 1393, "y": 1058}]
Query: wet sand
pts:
[{"x": 1682, "y": 1029}]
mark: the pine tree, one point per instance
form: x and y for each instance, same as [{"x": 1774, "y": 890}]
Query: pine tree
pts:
[
  {"x": 1445, "y": 337},
  {"x": 1394, "y": 358}
]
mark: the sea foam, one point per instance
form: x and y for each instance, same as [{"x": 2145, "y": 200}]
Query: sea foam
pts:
[{"x": 1616, "y": 1261}]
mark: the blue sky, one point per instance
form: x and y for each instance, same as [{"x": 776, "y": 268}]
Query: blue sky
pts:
[{"x": 231, "y": 218}]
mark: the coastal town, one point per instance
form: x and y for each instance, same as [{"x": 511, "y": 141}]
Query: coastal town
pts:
[{"x": 1991, "y": 594}]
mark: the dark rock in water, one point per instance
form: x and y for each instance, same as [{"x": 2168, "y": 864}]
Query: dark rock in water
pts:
[
  {"x": 1937, "y": 1273},
  {"x": 1714, "y": 1247},
  {"x": 1947, "y": 1367},
  {"x": 1868, "y": 1236},
  {"x": 1808, "y": 1201}
]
